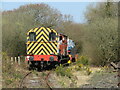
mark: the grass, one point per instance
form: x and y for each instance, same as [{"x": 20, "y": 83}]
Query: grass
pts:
[
  {"x": 82, "y": 64},
  {"x": 43, "y": 74},
  {"x": 11, "y": 73}
]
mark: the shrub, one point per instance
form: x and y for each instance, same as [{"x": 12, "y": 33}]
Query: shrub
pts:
[
  {"x": 60, "y": 70},
  {"x": 83, "y": 60}
]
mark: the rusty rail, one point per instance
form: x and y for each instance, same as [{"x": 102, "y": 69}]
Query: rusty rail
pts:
[
  {"x": 47, "y": 82},
  {"x": 46, "y": 79},
  {"x": 24, "y": 78},
  {"x": 117, "y": 68}
]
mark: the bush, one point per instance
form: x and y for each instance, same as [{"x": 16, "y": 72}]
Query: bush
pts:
[
  {"x": 83, "y": 60},
  {"x": 60, "y": 70}
]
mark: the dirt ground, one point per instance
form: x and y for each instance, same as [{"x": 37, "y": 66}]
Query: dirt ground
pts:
[{"x": 97, "y": 79}]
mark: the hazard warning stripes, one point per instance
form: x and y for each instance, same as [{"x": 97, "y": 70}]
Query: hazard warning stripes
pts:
[{"x": 42, "y": 45}]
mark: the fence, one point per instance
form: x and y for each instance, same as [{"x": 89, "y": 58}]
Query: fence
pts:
[{"x": 17, "y": 60}]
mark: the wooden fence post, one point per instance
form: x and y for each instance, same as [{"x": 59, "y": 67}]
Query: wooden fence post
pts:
[
  {"x": 18, "y": 60},
  {"x": 11, "y": 60},
  {"x": 15, "y": 59}
]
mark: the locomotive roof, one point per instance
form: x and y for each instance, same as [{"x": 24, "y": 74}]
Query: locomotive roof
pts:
[{"x": 42, "y": 28}]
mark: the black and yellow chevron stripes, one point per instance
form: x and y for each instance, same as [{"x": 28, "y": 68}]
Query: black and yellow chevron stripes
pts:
[{"x": 42, "y": 45}]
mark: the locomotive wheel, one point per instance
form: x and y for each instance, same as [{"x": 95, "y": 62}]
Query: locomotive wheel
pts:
[
  {"x": 57, "y": 64},
  {"x": 37, "y": 69},
  {"x": 31, "y": 67},
  {"x": 41, "y": 65}
]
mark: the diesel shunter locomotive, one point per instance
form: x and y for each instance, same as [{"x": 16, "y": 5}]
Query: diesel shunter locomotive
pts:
[{"x": 46, "y": 47}]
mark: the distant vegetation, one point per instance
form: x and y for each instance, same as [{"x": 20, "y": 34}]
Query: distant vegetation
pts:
[
  {"x": 100, "y": 33},
  {"x": 96, "y": 39}
]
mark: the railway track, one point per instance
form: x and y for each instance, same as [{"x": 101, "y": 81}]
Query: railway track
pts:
[
  {"x": 45, "y": 78},
  {"x": 30, "y": 80}
]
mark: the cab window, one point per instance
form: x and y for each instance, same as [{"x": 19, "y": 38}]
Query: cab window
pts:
[
  {"x": 60, "y": 37},
  {"x": 32, "y": 36},
  {"x": 52, "y": 36}
]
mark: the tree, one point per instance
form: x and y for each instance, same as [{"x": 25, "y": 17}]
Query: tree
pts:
[{"x": 101, "y": 33}]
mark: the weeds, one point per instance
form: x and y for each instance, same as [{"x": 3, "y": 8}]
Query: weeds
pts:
[
  {"x": 103, "y": 69},
  {"x": 83, "y": 65},
  {"x": 17, "y": 76},
  {"x": 35, "y": 72},
  {"x": 43, "y": 74},
  {"x": 9, "y": 81},
  {"x": 88, "y": 71},
  {"x": 60, "y": 70},
  {"x": 83, "y": 60},
  {"x": 62, "y": 83},
  {"x": 10, "y": 72}
]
